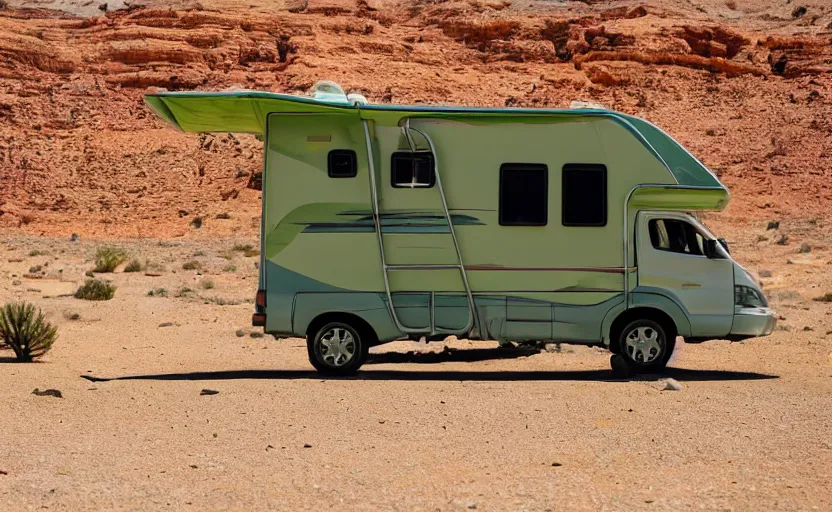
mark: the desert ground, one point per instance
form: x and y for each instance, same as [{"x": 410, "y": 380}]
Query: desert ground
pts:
[{"x": 457, "y": 425}]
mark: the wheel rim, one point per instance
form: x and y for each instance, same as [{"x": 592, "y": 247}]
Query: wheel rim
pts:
[
  {"x": 644, "y": 344},
  {"x": 337, "y": 346}
]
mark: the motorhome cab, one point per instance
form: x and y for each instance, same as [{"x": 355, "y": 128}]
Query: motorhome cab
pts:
[{"x": 383, "y": 222}]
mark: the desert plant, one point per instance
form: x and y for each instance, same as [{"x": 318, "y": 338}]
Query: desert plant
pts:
[
  {"x": 827, "y": 297},
  {"x": 37, "y": 252},
  {"x": 192, "y": 265},
  {"x": 242, "y": 247},
  {"x": 71, "y": 315},
  {"x": 108, "y": 258},
  {"x": 207, "y": 284},
  {"x": 134, "y": 266},
  {"x": 24, "y": 330},
  {"x": 230, "y": 268},
  {"x": 95, "y": 289},
  {"x": 157, "y": 292},
  {"x": 184, "y": 292}
]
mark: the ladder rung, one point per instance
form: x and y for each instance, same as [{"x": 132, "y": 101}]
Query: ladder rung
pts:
[{"x": 426, "y": 266}]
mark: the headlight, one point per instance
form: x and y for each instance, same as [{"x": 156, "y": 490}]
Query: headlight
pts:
[{"x": 749, "y": 297}]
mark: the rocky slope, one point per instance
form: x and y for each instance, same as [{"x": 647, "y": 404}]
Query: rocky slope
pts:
[{"x": 744, "y": 84}]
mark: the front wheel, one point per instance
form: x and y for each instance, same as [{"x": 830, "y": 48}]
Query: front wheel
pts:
[
  {"x": 646, "y": 346},
  {"x": 337, "y": 348}
]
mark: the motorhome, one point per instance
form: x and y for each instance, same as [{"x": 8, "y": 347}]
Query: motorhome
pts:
[{"x": 388, "y": 222}]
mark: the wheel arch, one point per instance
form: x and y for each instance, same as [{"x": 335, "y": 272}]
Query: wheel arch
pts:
[
  {"x": 647, "y": 305},
  {"x": 360, "y": 324}
]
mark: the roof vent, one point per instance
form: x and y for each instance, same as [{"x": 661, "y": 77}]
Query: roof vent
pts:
[
  {"x": 326, "y": 90},
  {"x": 357, "y": 99}
]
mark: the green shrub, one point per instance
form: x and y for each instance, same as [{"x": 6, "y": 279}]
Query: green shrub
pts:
[
  {"x": 37, "y": 252},
  {"x": 134, "y": 266},
  {"x": 96, "y": 289},
  {"x": 184, "y": 292},
  {"x": 207, "y": 284},
  {"x": 24, "y": 330},
  {"x": 230, "y": 268},
  {"x": 248, "y": 250},
  {"x": 192, "y": 265},
  {"x": 157, "y": 292},
  {"x": 108, "y": 258}
]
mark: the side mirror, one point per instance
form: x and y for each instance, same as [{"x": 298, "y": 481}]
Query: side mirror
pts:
[
  {"x": 724, "y": 244},
  {"x": 710, "y": 248}
]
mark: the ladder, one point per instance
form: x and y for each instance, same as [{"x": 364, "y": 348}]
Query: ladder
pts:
[{"x": 431, "y": 329}]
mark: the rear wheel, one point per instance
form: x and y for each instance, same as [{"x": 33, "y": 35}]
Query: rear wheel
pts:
[
  {"x": 645, "y": 345},
  {"x": 337, "y": 348}
]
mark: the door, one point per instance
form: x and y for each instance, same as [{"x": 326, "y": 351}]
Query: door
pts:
[{"x": 671, "y": 258}]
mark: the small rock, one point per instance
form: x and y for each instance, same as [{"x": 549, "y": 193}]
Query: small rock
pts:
[
  {"x": 807, "y": 329},
  {"x": 764, "y": 273},
  {"x": 3, "y": 472},
  {"x": 798, "y": 11},
  {"x": 556, "y": 464},
  {"x": 671, "y": 385},
  {"x": 552, "y": 347},
  {"x": 256, "y": 334},
  {"x": 166, "y": 324},
  {"x": 471, "y": 506},
  {"x": 773, "y": 224},
  {"x": 762, "y": 238},
  {"x": 620, "y": 368},
  {"x": 804, "y": 248},
  {"x": 307, "y": 445},
  {"x": 48, "y": 392},
  {"x": 193, "y": 466},
  {"x": 783, "y": 240},
  {"x": 208, "y": 392},
  {"x": 269, "y": 447},
  {"x": 240, "y": 333},
  {"x": 74, "y": 237}
]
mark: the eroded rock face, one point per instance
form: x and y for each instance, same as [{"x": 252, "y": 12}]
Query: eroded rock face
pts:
[{"x": 79, "y": 151}]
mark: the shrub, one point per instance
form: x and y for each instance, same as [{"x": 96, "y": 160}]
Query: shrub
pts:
[
  {"x": 89, "y": 273},
  {"x": 242, "y": 247},
  {"x": 96, "y": 289},
  {"x": 230, "y": 268},
  {"x": 227, "y": 256},
  {"x": 192, "y": 265},
  {"x": 71, "y": 315},
  {"x": 184, "y": 292},
  {"x": 108, "y": 258},
  {"x": 207, "y": 285},
  {"x": 37, "y": 252},
  {"x": 157, "y": 292},
  {"x": 199, "y": 253},
  {"x": 827, "y": 297},
  {"x": 134, "y": 266},
  {"x": 24, "y": 330}
]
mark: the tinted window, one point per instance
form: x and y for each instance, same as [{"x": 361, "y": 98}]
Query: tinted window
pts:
[
  {"x": 412, "y": 170},
  {"x": 342, "y": 163},
  {"x": 524, "y": 194},
  {"x": 675, "y": 236},
  {"x": 584, "y": 195}
]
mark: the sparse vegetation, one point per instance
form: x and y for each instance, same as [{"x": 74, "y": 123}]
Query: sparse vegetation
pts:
[
  {"x": 804, "y": 248},
  {"x": 783, "y": 240},
  {"x": 207, "y": 285},
  {"x": 184, "y": 292},
  {"x": 248, "y": 250},
  {"x": 192, "y": 265},
  {"x": 827, "y": 297},
  {"x": 96, "y": 289},
  {"x": 35, "y": 269},
  {"x": 134, "y": 266},
  {"x": 199, "y": 253},
  {"x": 227, "y": 256},
  {"x": 157, "y": 292},
  {"x": 219, "y": 301},
  {"x": 223, "y": 216},
  {"x": 37, "y": 252},
  {"x": 230, "y": 268},
  {"x": 108, "y": 258},
  {"x": 24, "y": 329},
  {"x": 89, "y": 273}
]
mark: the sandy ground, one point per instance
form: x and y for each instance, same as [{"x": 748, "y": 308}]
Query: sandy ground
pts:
[{"x": 452, "y": 426}]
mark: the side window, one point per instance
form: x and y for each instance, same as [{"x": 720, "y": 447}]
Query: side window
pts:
[
  {"x": 412, "y": 170},
  {"x": 675, "y": 236},
  {"x": 584, "y": 195},
  {"x": 524, "y": 195},
  {"x": 342, "y": 163}
]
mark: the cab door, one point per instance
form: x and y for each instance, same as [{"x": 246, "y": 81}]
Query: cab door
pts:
[{"x": 671, "y": 260}]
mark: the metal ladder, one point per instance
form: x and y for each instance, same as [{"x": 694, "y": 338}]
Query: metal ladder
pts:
[{"x": 431, "y": 329}]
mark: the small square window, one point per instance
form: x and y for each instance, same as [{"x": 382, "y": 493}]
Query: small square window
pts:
[
  {"x": 584, "y": 195},
  {"x": 412, "y": 170},
  {"x": 342, "y": 163},
  {"x": 524, "y": 195}
]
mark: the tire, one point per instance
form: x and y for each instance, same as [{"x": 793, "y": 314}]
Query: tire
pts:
[
  {"x": 646, "y": 345},
  {"x": 337, "y": 348}
]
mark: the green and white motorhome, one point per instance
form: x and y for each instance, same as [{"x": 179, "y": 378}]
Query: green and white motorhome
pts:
[{"x": 384, "y": 222}]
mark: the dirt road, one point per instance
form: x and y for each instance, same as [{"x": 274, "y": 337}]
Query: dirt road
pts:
[{"x": 422, "y": 427}]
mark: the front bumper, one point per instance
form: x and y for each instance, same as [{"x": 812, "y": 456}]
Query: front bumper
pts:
[{"x": 753, "y": 322}]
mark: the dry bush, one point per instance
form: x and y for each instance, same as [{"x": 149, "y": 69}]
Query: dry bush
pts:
[
  {"x": 96, "y": 289},
  {"x": 108, "y": 258},
  {"x": 827, "y": 297},
  {"x": 24, "y": 329},
  {"x": 134, "y": 266},
  {"x": 192, "y": 265}
]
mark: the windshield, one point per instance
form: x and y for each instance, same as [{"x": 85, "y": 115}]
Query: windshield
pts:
[{"x": 706, "y": 233}]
